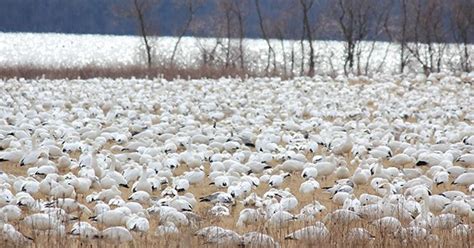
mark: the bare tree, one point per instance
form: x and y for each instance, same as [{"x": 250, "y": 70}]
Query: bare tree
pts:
[
  {"x": 271, "y": 52},
  {"x": 238, "y": 9},
  {"x": 141, "y": 8},
  {"x": 282, "y": 26},
  {"x": 402, "y": 37},
  {"x": 191, "y": 7},
  {"x": 306, "y": 6},
  {"x": 378, "y": 30},
  {"x": 462, "y": 21},
  {"x": 428, "y": 34},
  {"x": 352, "y": 17}
]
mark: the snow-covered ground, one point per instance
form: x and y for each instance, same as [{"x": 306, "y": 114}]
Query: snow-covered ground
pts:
[{"x": 69, "y": 50}]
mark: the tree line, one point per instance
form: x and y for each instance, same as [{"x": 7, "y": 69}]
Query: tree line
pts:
[{"x": 420, "y": 29}]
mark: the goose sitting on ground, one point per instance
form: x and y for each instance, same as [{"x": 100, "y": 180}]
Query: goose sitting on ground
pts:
[
  {"x": 256, "y": 239},
  {"x": 315, "y": 233},
  {"x": 219, "y": 236},
  {"x": 465, "y": 179},
  {"x": 11, "y": 235},
  {"x": 115, "y": 235},
  {"x": 84, "y": 230}
]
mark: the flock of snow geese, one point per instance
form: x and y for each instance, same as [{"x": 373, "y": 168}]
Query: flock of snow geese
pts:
[{"x": 254, "y": 162}]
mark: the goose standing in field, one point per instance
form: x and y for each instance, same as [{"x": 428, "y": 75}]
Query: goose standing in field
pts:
[
  {"x": 250, "y": 216},
  {"x": 309, "y": 186},
  {"x": 142, "y": 184},
  {"x": 326, "y": 168},
  {"x": 343, "y": 146},
  {"x": 360, "y": 176},
  {"x": 31, "y": 157}
]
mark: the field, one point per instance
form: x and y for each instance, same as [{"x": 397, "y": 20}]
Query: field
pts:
[{"x": 150, "y": 122}]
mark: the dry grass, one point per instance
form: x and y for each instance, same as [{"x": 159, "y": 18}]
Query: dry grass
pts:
[
  {"x": 187, "y": 239},
  {"x": 167, "y": 72}
]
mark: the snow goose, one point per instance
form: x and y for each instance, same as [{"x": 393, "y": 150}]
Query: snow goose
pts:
[
  {"x": 360, "y": 176},
  {"x": 341, "y": 217},
  {"x": 326, "y": 168},
  {"x": 309, "y": 172},
  {"x": 42, "y": 222},
  {"x": 142, "y": 197},
  {"x": 181, "y": 184},
  {"x": 10, "y": 212},
  {"x": 291, "y": 165},
  {"x": 387, "y": 225},
  {"x": 309, "y": 186},
  {"x": 221, "y": 197},
  {"x": 167, "y": 228},
  {"x": 194, "y": 176},
  {"x": 277, "y": 180},
  {"x": 366, "y": 199},
  {"x": 309, "y": 212},
  {"x": 441, "y": 177},
  {"x": 115, "y": 217},
  {"x": 219, "y": 236},
  {"x": 84, "y": 230},
  {"x": 340, "y": 197},
  {"x": 351, "y": 203},
  {"x": 342, "y": 146},
  {"x": 142, "y": 184},
  {"x": 401, "y": 160},
  {"x": 280, "y": 219},
  {"x": 310, "y": 234},
  {"x": 446, "y": 221},
  {"x": 256, "y": 239},
  {"x": 359, "y": 235},
  {"x": 465, "y": 179},
  {"x": 115, "y": 234},
  {"x": 219, "y": 210},
  {"x": 466, "y": 160},
  {"x": 13, "y": 156},
  {"x": 462, "y": 230},
  {"x": 81, "y": 185},
  {"x": 111, "y": 173},
  {"x": 342, "y": 171},
  {"x": 177, "y": 218},
  {"x": 138, "y": 223},
  {"x": 458, "y": 207},
  {"x": 12, "y": 236},
  {"x": 250, "y": 216}
]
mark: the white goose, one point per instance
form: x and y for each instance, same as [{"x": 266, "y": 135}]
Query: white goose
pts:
[
  {"x": 84, "y": 230},
  {"x": 315, "y": 233},
  {"x": 116, "y": 235}
]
